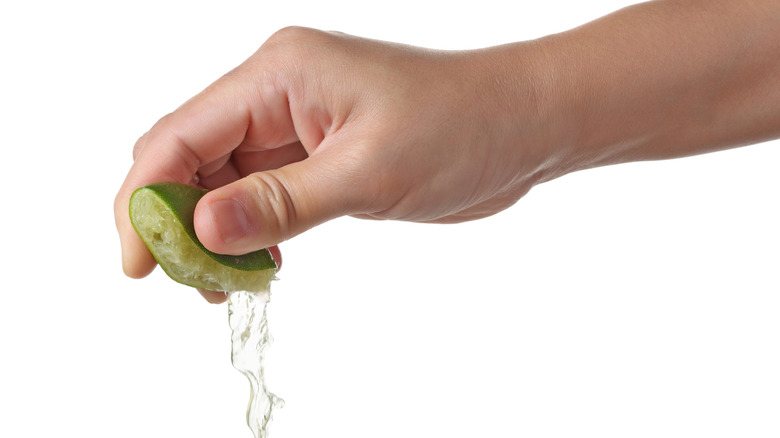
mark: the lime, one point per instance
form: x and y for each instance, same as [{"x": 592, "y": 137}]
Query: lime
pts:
[{"x": 162, "y": 215}]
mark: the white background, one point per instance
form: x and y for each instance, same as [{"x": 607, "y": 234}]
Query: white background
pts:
[{"x": 640, "y": 300}]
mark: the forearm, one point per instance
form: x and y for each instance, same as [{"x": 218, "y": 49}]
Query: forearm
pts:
[{"x": 662, "y": 79}]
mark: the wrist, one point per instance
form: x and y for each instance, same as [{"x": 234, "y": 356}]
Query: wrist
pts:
[
  {"x": 520, "y": 103},
  {"x": 660, "y": 80}
]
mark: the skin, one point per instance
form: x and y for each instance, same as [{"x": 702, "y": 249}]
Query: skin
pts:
[{"x": 317, "y": 125}]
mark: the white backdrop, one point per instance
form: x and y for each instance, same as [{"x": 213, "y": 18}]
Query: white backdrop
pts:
[{"x": 639, "y": 300}]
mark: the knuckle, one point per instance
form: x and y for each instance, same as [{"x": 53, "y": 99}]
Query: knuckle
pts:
[
  {"x": 287, "y": 50},
  {"x": 275, "y": 204},
  {"x": 291, "y": 34},
  {"x": 139, "y": 145},
  {"x": 163, "y": 126},
  {"x": 119, "y": 205},
  {"x": 295, "y": 44},
  {"x": 286, "y": 42}
]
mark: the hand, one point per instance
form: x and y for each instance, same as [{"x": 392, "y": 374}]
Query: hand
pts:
[{"x": 317, "y": 125}]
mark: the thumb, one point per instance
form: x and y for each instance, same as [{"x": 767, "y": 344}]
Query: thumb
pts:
[{"x": 266, "y": 208}]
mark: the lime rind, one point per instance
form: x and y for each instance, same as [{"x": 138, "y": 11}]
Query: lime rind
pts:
[{"x": 162, "y": 215}]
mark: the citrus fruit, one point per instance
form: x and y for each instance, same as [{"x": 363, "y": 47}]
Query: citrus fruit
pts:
[{"x": 162, "y": 215}]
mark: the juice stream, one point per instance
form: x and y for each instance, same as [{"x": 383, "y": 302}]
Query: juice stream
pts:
[{"x": 249, "y": 340}]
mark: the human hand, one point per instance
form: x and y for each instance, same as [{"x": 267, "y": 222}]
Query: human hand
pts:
[{"x": 317, "y": 125}]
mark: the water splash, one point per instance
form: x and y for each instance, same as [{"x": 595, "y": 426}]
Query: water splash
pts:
[{"x": 249, "y": 340}]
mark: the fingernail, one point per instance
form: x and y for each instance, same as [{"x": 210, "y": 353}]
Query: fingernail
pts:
[{"x": 231, "y": 219}]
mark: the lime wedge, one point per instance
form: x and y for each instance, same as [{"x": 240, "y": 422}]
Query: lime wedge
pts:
[{"x": 162, "y": 215}]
